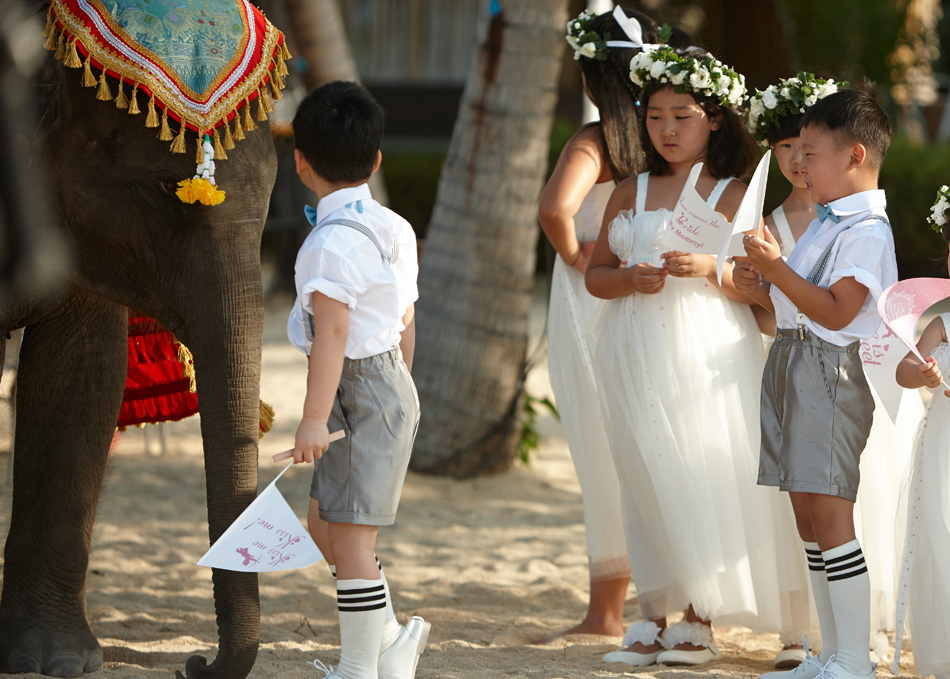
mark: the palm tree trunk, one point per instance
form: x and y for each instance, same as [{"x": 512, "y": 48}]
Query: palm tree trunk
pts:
[
  {"x": 477, "y": 271},
  {"x": 320, "y": 39}
]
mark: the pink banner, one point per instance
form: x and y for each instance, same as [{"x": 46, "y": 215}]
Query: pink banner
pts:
[{"x": 903, "y": 303}]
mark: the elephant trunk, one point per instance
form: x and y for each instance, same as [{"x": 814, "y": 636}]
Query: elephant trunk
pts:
[{"x": 226, "y": 345}]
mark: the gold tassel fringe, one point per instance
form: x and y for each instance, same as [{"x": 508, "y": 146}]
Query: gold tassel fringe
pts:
[
  {"x": 238, "y": 130},
  {"x": 178, "y": 146},
  {"x": 166, "y": 132},
  {"x": 88, "y": 79},
  {"x": 187, "y": 366},
  {"x": 218, "y": 149},
  {"x": 151, "y": 120},
  {"x": 248, "y": 122},
  {"x": 265, "y": 97},
  {"x": 266, "y": 418},
  {"x": 133, "y": 102},
  {"x": 49, "y": 25},
  {"x": 120, "y": 100},
  {"x": 60, "y": 48},
  {"x": 284, "y": 52},
  {"x": 228, "y": 139},
  {"x": 50, "y": 43},
  {"x": 72, "y": 56},
  {"x": 275, "y": 88},
  {"x": 104, "y": 93},
  {"x": 281, "y": 66},
  {"x": 200, "y": 155},
  {"x": 261, "y": 107}
]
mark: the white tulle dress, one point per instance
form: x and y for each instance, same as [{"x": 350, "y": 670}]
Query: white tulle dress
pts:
[
  {"x": 571, "y": 371},
  {"x": 884, "y": 460},
  {"x": 680, "y": 373},
  {"x": 925, "y": 569}
]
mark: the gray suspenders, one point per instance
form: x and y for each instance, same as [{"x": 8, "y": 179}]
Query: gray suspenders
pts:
[
  {"x": 391, "y": 258},
  {"x": 822, "y": 264}
]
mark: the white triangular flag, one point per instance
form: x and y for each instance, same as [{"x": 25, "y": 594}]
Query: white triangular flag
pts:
[
  {"x": 696, "y": 227},
  {"x": 267, "y": 536},
  {"x": 748, "y": 216}
]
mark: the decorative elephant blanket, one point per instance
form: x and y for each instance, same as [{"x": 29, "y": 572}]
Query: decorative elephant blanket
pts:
[{"x": 197, "y": 61}]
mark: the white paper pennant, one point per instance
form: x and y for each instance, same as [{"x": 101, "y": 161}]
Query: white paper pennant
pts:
[{"x": 267, "y": 536}]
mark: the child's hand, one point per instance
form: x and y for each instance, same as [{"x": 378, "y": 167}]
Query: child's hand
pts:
[
  {"x": 583, "y": 255},
  {"x": 746, "y": 277},
  {"x": 688, "y": 264},
  {"x": 311, "y": 441},
  {"x": 763, "y": 254},
  {"x": 647, "y": 278},
  {"x": 930, "y": 374}
]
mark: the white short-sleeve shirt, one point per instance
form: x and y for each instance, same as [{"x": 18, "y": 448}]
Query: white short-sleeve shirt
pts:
[
  {"x": 344, "y": 264},
  {"x": 863, "y": 250}
]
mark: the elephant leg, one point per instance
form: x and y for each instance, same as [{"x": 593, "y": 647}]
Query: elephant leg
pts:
[{"x": 70, "y": 384}]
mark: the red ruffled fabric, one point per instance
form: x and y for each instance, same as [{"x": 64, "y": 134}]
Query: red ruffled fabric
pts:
[{"x": 156, "y": 389}]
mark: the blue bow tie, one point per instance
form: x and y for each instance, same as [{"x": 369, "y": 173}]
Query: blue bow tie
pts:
[
  {"x": 825, "y": 212},
  {"x": 311, "y": 213}
]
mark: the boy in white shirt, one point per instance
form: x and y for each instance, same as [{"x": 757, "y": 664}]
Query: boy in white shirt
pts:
[
  {"x": 356, "y": 285},
  {"x": 816, "y": 404}
]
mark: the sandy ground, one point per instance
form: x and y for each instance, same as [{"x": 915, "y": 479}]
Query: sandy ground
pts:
[{"x": 493, "y": 563}]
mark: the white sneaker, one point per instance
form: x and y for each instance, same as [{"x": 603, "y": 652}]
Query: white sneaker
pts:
[
  {"x": 327, "y": 670},
  {"x": 399, "y": 661},
  {"x": 833, "y": 670}
]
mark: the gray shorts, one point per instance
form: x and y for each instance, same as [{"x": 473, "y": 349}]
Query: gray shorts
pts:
[
  {"x": 817, "y": 410},
  {"x": 359, "y": 479}
]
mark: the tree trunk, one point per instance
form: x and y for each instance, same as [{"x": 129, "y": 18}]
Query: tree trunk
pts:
[
  {"x": 320, "y": 39},
  {"x": 477, "y": 270}
]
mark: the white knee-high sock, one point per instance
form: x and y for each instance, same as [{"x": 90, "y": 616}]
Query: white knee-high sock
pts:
[
  {"x": 819, "y": 588},
  {"x": 850, "y": 590},
  {"x": 391, "y": 626},
  {"x": 362, "y": 608}
]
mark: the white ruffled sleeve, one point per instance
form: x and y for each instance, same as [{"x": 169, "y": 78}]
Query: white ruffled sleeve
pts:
[{"x": 866, "y": 253}]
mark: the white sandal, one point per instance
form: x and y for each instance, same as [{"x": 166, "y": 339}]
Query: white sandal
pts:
[
  {"x": 644, "y": 632},
  {"x": 694, "y": 633}
]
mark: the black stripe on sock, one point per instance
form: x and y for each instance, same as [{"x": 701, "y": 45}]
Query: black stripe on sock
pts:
[
  {"x": 813, "y": 552},
  {"x": 817, "y": 562},
  {"x": 846, "y": 566},
  {"x": 361, "y": 599},
  {"x": 360, "y": 609},
  {"x": 846, "y": 557},
  {"x": 845, "y": 576},
  {"x": 364, "y": 590},
  {"x": 816, "y": 568}
]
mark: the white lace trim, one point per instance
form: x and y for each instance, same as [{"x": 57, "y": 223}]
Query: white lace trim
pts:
[
  {"x": 684, "y": 632},
  {"x": 641, "y": 631}
]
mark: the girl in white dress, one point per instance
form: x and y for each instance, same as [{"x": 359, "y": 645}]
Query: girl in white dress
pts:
[
  {"x": 925, "y": 573},
  {"x": 571, "y": 208},
  {"x": 889, "y": 444},
  {"x": 679, "y": 365}
]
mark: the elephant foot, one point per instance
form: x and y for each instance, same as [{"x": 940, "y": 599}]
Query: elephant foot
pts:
[{"x": 54, "y": 653}]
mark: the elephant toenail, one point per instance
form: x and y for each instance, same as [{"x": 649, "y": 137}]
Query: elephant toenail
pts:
[
  {"x": 25, "y": 664},
  {"x": 94, "y": 664},
  {"x": 65, "y": 666}
]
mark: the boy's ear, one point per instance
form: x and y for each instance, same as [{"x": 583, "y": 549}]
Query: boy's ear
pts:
[
  {"x": 301, "y": 162},
  {"x": 859, "y": 155},
  {"x": 379, "y": 160}
]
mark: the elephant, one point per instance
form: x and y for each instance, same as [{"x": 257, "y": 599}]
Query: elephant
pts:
[{"x": 194, "y": 268}]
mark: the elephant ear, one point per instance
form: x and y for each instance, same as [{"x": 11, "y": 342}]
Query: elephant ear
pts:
[{"x": 198, "y": 62}]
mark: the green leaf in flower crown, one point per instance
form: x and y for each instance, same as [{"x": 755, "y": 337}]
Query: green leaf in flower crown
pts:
[{"x": 666, "y": 32}]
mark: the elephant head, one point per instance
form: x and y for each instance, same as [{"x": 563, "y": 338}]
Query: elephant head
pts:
[{"x": 193, "y": 267}]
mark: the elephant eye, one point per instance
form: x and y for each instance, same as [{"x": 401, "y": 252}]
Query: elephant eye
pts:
[{"x": 168, "y": 186}]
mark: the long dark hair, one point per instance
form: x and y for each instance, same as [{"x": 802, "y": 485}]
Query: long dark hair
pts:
[
  {"x": 615, "y": 95},
  {"x": 732, "y": 150},
  {"x": 788, "y": 127}
]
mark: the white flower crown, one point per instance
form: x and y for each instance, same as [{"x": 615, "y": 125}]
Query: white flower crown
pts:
[
  {"x": 590, "y": 44},
  {"x": 790, "y": 97},
  {"x": 707, "y": 76},
  {"x": 938, "y": 213}
]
